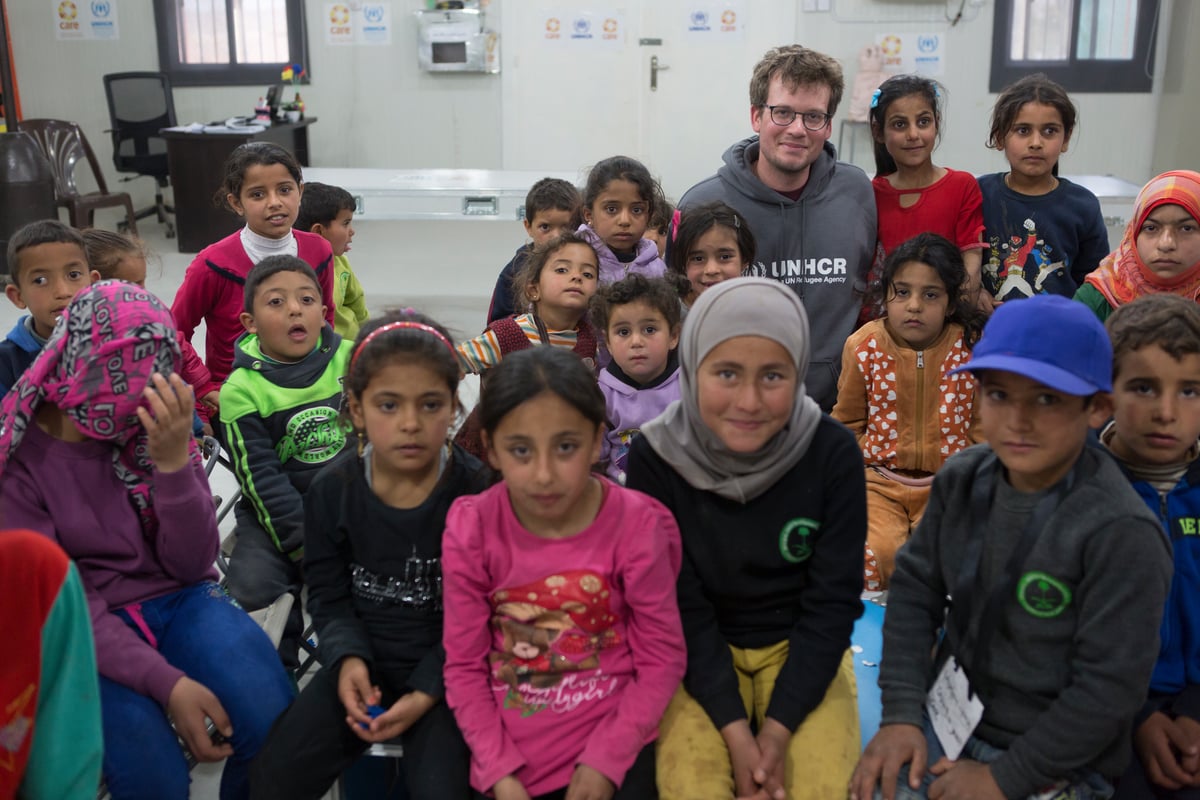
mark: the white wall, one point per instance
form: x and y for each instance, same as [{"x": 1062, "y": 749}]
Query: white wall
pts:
[
  {"x": 1178, "y": 111},
  {"x": 376, "y": 109}
]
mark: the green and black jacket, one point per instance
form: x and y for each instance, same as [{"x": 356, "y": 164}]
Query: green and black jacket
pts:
[{"x": 280, "y": 424}]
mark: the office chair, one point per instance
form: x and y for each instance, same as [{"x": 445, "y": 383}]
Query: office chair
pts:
[
  {"x": 140, "y": 104},
  {"x": 64, "y": 146}
]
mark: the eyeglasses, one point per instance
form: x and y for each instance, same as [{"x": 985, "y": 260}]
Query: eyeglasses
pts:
[{"x": 813, "y": 120}]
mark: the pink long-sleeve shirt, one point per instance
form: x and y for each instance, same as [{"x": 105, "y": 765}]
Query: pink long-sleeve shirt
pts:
[{"x": 560, "y": 652}]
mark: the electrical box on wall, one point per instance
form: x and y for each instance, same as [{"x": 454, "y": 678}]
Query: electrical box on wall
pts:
[{"x": 456, "y": 41}]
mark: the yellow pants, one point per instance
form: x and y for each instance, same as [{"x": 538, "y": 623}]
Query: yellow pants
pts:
[{"x": 693, "y": 761}]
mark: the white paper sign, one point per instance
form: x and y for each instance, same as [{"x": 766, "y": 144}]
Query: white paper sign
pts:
[
  {"x": 923, "y": 53},
  {"x": 953, "y": 710},
  {"x": 598, "y": 27},
  {"x": 338, "y": 29},
  {"x": 85, "y": 19},
  {"x": 375, "y": 23},
  {"x": 715, "y": 20},
  {"x": 356, "y": 22}
]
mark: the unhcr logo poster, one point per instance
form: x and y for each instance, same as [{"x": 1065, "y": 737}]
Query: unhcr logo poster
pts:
[
  {"x": 85, "y": 19},
  {"x": 923, "y": 53}
]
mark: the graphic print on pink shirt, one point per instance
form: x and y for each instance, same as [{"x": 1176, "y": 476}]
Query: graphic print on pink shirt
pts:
[{"x": 548, "y": 633}]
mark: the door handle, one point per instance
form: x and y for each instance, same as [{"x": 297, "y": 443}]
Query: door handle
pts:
[{"x": 655, "y": 68}]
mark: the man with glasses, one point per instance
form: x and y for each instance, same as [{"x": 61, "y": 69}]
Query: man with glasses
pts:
[{"x": 812, "y": 215}]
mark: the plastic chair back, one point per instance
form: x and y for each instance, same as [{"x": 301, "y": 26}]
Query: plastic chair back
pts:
[{"x": 64, "y": 146}]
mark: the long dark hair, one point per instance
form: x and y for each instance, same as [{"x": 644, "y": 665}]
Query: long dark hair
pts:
[
  {"x": 525, "y": 374},
  {"x": 890, "y": 91},
  {"x": 945, "y": 258}
]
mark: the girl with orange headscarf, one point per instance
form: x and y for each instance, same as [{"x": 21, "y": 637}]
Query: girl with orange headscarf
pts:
[{"x": 1160, "y": 251}]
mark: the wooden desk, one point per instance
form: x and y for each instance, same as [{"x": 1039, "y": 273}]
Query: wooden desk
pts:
[{"x": 195, "y": 161}]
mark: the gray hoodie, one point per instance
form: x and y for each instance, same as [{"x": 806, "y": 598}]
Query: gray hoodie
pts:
[{"x": 820, "y": 245}]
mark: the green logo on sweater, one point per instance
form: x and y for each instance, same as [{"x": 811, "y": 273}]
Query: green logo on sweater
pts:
[
  {"x": 1042, "y": 595},
  {"x": 313, "y": 436},
  {"x": 794, "y": 544}
]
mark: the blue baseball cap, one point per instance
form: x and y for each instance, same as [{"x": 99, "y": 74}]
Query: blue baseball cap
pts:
[{"x": 1048, "y": 338}]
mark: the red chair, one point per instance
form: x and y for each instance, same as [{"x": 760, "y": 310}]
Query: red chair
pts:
[{"x": 65, "y": 146}]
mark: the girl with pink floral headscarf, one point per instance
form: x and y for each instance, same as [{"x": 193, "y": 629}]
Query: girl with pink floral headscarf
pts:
[{"x": 96, "y": 453}]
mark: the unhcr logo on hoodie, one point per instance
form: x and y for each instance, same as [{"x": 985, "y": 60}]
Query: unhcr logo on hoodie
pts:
[{"x": 807, "y": 270}]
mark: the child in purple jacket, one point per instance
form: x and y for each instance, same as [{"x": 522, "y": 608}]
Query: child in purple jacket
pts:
[
  {"x": 640, "y": 318},
  {"x": 96, "y": 452}
]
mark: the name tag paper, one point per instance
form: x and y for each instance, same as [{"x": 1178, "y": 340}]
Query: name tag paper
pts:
[{"x": 953, "y": 709}]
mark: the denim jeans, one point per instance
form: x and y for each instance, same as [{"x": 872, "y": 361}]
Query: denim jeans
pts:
[
  {"x": 201, "y": 631},
  {"x": 1087, "y": 785}
]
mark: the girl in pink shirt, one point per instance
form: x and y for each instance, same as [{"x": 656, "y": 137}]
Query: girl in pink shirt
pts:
[{"x": 562, "y": 633}]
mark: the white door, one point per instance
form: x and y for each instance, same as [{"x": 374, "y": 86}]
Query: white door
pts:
[{"x": 567, "y": 104}]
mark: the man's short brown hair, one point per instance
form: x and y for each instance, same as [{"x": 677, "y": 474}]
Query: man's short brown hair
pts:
[
  {"x": 797, "y": 66},
  {"x": 1167, "y": 320}
]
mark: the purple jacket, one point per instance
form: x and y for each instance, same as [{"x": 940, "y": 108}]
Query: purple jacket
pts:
[
  {"x": 612, "y": 270},
  {"x": 629, "y": 408},
  {"x": 69, "y": 492}
]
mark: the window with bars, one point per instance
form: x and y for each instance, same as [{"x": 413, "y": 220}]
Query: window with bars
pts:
[
  {"x": 1085, "y": 45},
  {"x": 229, "y": 42}
]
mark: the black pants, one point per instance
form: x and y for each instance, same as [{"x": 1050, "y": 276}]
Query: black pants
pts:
[
  {"x": 311, "y": 745},
  {"x": 639, "y": 783},
  {"x": 259, "y": 574}
]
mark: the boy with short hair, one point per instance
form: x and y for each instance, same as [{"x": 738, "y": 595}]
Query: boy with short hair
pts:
[
  {"x": 1153, "y": 435},
  {"x": 47, "y": 266},
  {"x": 328, "y": 211},
  {"x": 279, "y": 415},
  {"x": 552, "y": 207},
  {"x": 1057, "y": 573}
]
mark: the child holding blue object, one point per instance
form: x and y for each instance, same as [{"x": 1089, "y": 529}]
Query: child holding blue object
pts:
[
  {"x": 1058, "y": 574},
  {"x": 373, "y": 547},
  {"x": 103, "y": 417},
  {"x": 1154, "y": 432},
  {"x": 619, "y": 201}
]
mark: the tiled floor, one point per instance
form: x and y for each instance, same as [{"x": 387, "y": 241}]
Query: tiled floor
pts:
[{"x": 460, "y": 313}]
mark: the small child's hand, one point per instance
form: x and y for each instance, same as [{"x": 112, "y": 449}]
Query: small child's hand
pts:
[
  {"x": 773, "y": 741},
  {"x": 356, "y": 692},
  {"x": 963, "y": 780},
  {"x": 1189, "y": 758},
  {"x": 894, "y": 746},
  {"x": 403, "y": 714},
  {"x": 1156, "y": 742},
  {"x": 191, "y": 705},
  {"x": 212, "y": 400},
  {"x": 589, "y": 784},
  {"x": 744, "y": 756},
  {"x": 509, "y": 788},
  {"x": 168, "y": 422}
]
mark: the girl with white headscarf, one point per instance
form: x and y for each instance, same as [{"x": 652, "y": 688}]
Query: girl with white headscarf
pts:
[{"x": 769, "y": 495}]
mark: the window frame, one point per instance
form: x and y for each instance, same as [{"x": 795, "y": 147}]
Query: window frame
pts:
[
  {"x": 1076, "y": 74},
  {"x": 230, "y": 74}
]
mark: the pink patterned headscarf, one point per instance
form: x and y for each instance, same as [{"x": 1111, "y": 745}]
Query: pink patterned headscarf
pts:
[{"x": 99, "y": 358}]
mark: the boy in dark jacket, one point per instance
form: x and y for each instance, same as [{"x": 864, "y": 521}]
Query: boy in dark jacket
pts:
[
  {"x": 1057, "y": 574},
  {"x": 1153, "y": 435}
]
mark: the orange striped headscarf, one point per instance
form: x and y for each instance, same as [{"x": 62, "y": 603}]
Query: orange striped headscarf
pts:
[{"x": 1121, "y": 276}]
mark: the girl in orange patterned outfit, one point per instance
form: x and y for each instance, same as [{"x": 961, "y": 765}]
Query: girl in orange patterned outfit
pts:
[{"x": 895, "y": 394}]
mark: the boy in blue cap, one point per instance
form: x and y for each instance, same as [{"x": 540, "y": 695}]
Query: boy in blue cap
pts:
[{"x": 1046, "y": 574}]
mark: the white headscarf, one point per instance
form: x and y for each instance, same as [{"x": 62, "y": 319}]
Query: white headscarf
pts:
[{"x": 738, "y": 307}]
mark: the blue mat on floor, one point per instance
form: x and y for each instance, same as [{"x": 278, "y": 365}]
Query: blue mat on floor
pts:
[{"x": 868, "y": 635}]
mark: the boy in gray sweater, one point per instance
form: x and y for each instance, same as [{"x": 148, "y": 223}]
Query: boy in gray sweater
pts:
[{"x": 1046, "y": 575}]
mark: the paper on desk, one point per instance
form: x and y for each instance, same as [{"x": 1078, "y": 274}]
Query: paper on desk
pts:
[{"x": 199, "y": 127}]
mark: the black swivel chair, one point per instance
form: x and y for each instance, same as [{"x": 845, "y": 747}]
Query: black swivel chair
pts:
[{"x": 140, "y": 104}]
